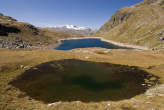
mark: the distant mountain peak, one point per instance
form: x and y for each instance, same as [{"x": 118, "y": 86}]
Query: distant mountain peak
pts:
[
  {"x": 72, "y": 27},
  {"x": 74, "y": 30}
]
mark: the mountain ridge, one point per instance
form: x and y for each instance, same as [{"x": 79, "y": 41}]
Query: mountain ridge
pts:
[
  {"x": 70, "y": 27},
  {"x": 16, "y": 34},
  {"x": 141, "y": 24},
  {"x": 73, "y": 30}
]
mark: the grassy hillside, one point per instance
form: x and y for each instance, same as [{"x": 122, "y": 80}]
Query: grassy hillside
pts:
[
  {"x": 59, "y": 80},
  {"x": 141, "y": 24},
  {"x": 11, "y": 29}
]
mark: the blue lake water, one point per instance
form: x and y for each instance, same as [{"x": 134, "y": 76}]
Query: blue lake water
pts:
[{"x": 87, "y": 43}]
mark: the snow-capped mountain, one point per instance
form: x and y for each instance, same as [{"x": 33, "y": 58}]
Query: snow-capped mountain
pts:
[
  {"x": 71, "y": 27},
  {"x": 74, "y": 30},
  {"x": 75, "y": 27}
]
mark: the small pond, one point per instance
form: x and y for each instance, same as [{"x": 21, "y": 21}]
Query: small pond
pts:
[
  {"x": 87, "y": 81},
  {"x": 87, "y": 43}
]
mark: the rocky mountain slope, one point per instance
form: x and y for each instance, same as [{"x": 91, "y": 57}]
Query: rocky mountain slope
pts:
[
  {"x": 15, "y": 34},
  {"x": 141, "y": 24},
  {"x": 73, "y": 30}
]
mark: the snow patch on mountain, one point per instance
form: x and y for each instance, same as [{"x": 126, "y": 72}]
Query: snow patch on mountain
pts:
[
  {"x": 71, "y": 27},
  {"x": 73, "y": 30}
]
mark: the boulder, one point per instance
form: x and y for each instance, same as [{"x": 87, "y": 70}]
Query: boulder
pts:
[
  {"x": 14, "y": 43},
  {"x": 161, "y": 38}
]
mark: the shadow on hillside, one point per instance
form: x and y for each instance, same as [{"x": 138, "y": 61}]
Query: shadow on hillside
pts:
[
  {"x": 76, "y": 80},
  {"x": 5, "y": 30}
]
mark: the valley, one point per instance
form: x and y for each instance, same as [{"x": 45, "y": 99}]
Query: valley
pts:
[{"x": 118, "y": 67}]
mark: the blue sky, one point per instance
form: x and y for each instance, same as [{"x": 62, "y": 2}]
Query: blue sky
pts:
[{"x": 88, "y": 13}]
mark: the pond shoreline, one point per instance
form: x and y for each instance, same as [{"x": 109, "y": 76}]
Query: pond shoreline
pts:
[{"x": 109, "y": 41}]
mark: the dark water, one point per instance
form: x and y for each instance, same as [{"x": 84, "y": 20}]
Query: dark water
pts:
[
  {"x": 87, "y": 43},
  {"x": 70, "y": 80}
]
